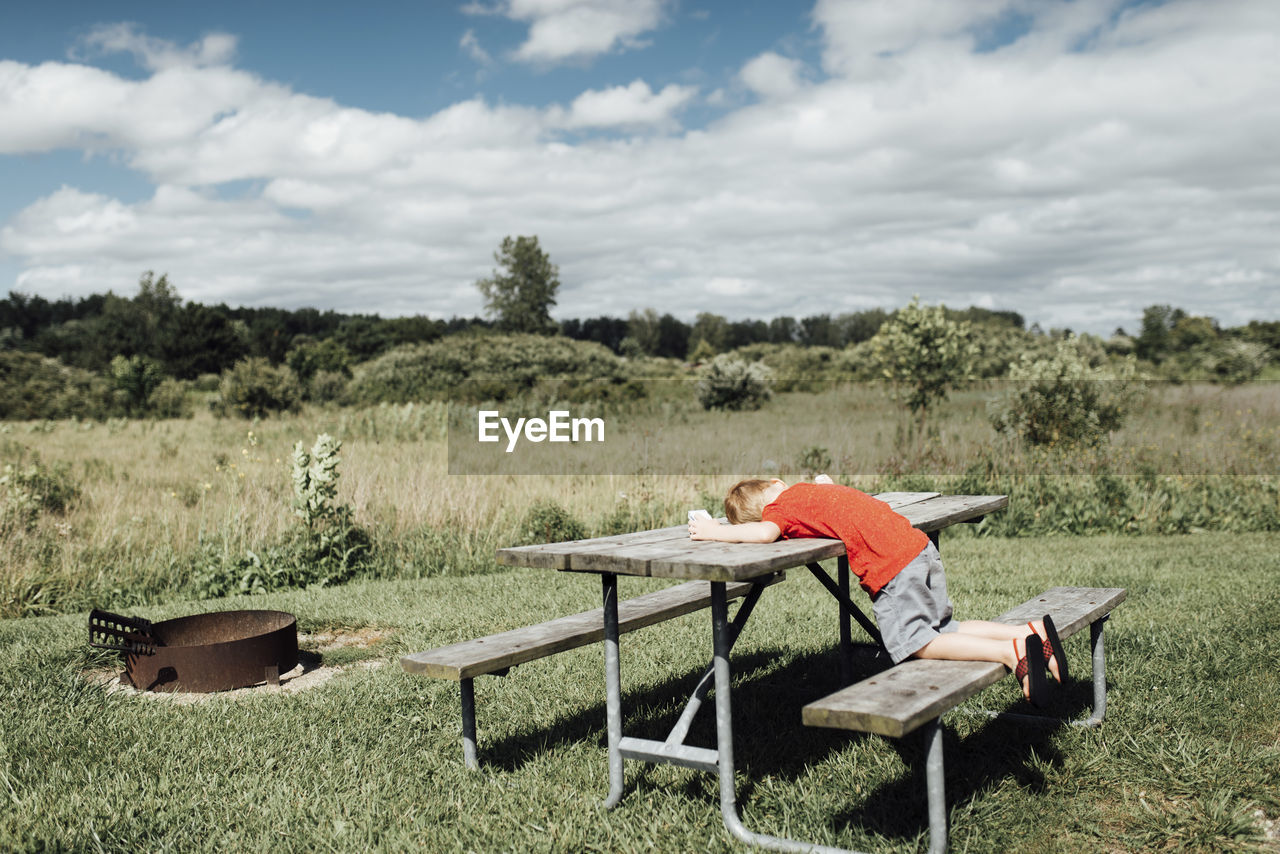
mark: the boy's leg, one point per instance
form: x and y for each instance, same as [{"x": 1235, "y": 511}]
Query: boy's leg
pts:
[
  {"x": 1004, "y": 631},
  {"x": 962, "y": 646}
]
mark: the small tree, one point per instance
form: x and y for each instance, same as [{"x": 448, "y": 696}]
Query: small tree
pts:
[
  {"x": 520, "y": 298},
  {"x": 923, "y": 354},
  {"x": 135, "y": 378},
  {"x": 1063, "y": 400}
]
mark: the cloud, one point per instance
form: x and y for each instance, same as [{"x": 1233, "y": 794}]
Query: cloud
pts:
[
  {"x": 772, "y": 76},
  {"x": 158, "y": 54},
  {"x": 635, "y": 105},
  {"x": 1100, "y": 162},
  {"x": 576, "y": 30},
  {"x": 471, "y": 45}
]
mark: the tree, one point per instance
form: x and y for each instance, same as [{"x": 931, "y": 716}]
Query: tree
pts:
[
  {"x": 924, "y": 354},
  {"x": 520, "y": 299}
]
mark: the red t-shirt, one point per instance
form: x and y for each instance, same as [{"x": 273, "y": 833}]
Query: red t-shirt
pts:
[{"x": 878, "y": 541}]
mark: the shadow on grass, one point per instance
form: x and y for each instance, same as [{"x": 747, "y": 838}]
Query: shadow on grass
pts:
[{"x": 770, "y": 687}]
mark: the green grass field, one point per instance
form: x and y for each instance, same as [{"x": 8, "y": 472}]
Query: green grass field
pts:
[{"x": 1188, "y": 758}]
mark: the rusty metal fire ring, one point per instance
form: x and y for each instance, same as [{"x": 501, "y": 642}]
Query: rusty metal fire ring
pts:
[{"x": 217, "y": 651}]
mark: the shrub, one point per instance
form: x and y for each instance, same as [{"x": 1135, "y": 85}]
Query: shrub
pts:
[
  {"x": 328, "y": 548},
  {"x": 33, "y": 387},
  {"x": 29, "y": 488},
  {"x": 494, "y": 367},
  {"x": 328, "y": 387},
  {"x": 309, "y": 359},
  {"x": 254, "y": 388},
  {"x": 548, "y": 522},
  {"x": 135, "y": 378},
  {"x": 1235, "y": 362},
  {"x": 1063, "y": 399},
  {"x": 813, "y": 369},
  {"x": 730, "y": 383},
  {"x": 169, "y": 400}
]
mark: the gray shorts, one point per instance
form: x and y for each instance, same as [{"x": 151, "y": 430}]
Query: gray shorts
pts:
[{"x": 913, "y": 608}]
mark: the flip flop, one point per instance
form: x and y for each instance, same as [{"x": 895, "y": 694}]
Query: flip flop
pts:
[
  {"x": 1031, "y": 667},
  {"x": 1052, "y": 647}
]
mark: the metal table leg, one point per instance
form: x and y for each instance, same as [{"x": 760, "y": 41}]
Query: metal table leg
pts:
[
  {"x": 724, "y": 738},
  {"x": 613, "y": 688}
]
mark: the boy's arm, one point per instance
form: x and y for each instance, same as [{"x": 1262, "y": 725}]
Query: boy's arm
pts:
[{"x": 747, "y": 532}]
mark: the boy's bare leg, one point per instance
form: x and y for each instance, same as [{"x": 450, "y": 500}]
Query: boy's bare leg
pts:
[
  {"x": 1004, "y": 631},
  {"x": 963, "y": 646}
]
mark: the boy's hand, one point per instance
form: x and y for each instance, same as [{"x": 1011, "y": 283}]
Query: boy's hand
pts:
[
  {"x": 822, "y": 478},
  {"x": 703, "y": 529}
]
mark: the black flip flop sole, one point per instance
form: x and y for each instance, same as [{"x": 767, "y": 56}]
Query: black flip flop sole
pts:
[{"x": 1051, "y": 634}]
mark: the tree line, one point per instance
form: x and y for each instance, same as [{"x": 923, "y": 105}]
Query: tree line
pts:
[{"x": 141, "y": 340}]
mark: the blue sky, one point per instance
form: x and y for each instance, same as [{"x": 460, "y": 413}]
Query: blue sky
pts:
[{"x": 1074, "y": 161}]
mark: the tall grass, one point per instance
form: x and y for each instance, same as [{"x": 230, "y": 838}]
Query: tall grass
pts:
[{"x": 162, "y": 501}]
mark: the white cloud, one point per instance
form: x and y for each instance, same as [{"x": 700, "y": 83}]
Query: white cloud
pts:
[
  {"x": 473, "y": 48},
  {"x": 634, "y": 105},
  {"x": 772, "y": 76},
  {"x": 1075, "y": 185},
  {"x": 576, "y": 30},
  {"x": 158, "y": 54}
]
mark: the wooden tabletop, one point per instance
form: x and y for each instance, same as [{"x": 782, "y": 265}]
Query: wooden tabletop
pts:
[{"x": 669, "y": 553}]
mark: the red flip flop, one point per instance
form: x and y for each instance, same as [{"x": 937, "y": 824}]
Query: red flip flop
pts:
[
  {"x": 1052, "y": 646},
  {"x": 1032, "y": 668}
]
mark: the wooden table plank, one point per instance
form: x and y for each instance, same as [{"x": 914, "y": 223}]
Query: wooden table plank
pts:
[{"x": 669, "y": 553}]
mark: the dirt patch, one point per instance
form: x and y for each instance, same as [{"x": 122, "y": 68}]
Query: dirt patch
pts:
[
  {"x": 332, "y": 639},
  {"x": 300, "y": 678}
]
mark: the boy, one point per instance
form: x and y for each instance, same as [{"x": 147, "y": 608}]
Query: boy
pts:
[{"x": 897, "y": 565}]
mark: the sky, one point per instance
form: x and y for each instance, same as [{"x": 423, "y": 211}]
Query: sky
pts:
[{"x": 1074, "y": 161}]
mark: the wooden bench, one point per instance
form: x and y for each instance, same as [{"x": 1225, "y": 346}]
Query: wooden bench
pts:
[
  {"x": 917, "y": 693},
  {"x": 497, "y": 654}
]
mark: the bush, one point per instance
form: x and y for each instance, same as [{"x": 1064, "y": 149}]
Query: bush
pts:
[
  {"x": 254, "y": 388},
  {"x": 29, "y": 488},
  {"x": 33, "y": 387},
  {"x": 169, "y": 400},
  {"x": 328, "y": 387},
  {"x": 1064, "y": 400},
  {"x": 730, "y": 383},
  {"x": 135, "y": 378},
  {"x": 1235, "y": 362},
  {"x": 812, "y": 369},
  {"x": 476, "y": 368},
  {"x": 329, "y": 548},
  {"x": 548, "y": 522}
]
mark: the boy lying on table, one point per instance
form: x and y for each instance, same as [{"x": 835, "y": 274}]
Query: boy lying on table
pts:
[{"x": 895, "y": 563}]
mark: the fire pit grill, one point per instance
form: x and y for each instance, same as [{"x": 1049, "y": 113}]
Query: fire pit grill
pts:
[{"x": 204, "y": 652}]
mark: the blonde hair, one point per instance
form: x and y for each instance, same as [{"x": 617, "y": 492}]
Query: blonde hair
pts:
[{"x": 745, "y": 501}]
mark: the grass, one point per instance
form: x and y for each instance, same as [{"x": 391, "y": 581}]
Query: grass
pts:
[
  {"x": 161, "y": 502},
  {"x": 1188, "y": 759}
]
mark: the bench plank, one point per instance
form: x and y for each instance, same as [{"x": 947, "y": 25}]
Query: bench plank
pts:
[
  {"x": 472, "y": 658},
  {"x": 902, "y": 698}
]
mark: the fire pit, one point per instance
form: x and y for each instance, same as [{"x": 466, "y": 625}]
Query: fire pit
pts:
[{"x": 204, "y": 652}]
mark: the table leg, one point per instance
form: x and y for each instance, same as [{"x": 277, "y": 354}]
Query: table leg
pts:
[
  {"x": 722, "y": 642},
  {"x": 613, "y": 688},
  {"x": 846, "y": 622}
]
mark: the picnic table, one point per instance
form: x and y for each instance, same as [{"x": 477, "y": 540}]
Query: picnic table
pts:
[{"x": 669, "y": 553}]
